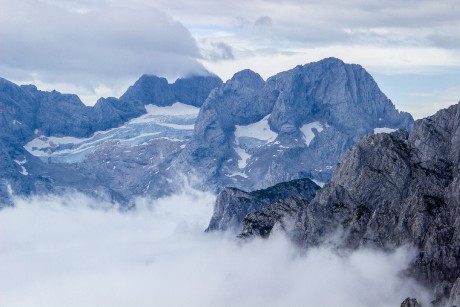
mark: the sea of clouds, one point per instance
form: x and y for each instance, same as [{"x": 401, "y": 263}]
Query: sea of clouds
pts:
[{"x": 75, "y": 251}]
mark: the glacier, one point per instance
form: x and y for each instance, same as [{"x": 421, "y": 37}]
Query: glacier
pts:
[{"x": 174, "y": 123}]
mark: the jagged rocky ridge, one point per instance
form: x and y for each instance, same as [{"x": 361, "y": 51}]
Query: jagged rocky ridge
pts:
[
  {"x": 410, "y": 302},
  {"x": 233, "y": 204},
  {"x": 192, "y": 90},
  {"x": 276, "y": 216},
  {"x": 390, "y": 190},
  {"x": 252, "y": 133}
]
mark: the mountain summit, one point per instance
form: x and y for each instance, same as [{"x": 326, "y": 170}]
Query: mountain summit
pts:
[{"x": 252, "y": 133}]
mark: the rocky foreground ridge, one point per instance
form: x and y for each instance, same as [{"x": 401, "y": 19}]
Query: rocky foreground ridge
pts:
[
  {"x": 232, "y": 204},
  {"x": 388, "y": 191}
]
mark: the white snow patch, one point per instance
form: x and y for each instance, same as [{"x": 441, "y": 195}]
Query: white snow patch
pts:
[
  {"x": 42, "y": 142},
  {"x": 170, "y": 139},
  {"x": 177, "y": 126},
  {"x": 177, "y": 109},
  {"x": 238, "y": 174},
  {"x": 383, "y": 130},
  {"x": 244, "y": 157},
  {"x": 259, "y": 130},
  {"x": 20, "y": 162},
  {"x": 23, "y": 170},
  {"x": 320, "y": 183},
  {"x": 308, "y": 133}
]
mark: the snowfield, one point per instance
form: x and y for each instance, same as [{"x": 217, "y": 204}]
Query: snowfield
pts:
[{"x": 174, "y": 123}]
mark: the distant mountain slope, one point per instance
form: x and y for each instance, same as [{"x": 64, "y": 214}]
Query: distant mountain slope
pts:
[
  {"x": 192, "y": 90},
  {"x": 51, "y": 141},
  {"x": 252, "y": 134}
]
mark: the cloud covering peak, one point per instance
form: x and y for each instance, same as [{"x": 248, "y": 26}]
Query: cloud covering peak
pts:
[{"x": 59, "y": 43}]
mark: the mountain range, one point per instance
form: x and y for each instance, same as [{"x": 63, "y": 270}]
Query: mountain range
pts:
[
  {"x": 247, "y": 133},
  {"x": 317, "y": 152}
]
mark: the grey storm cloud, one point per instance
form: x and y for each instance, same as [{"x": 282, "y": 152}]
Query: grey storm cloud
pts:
[
  {"x": 216, "y": 51},
  {"x": 320, "y": 23},
  {"x": 449, "y": 41},
  {"x": 222, "y": 51},
  {"x": 388, "y": 23},
  {"x": 69, "y": 44},
  {"x": 263, "y": 22}
]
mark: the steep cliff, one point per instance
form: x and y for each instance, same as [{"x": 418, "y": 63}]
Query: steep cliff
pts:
[
  {"x": 252, "y": 133},
  {"x": 388, "y": 191}
]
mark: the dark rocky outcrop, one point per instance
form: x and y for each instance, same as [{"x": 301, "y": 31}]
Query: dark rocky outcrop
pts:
[
  {"x": 410, "y": 302},
  {"x": 281, "y": 215},
  {"x": 233, "y": 204},
  {"x": 193, "y": 90}
]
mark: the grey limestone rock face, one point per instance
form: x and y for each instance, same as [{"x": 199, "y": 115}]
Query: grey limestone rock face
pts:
[
  {"x": 281, "y": 215},
  {"x": 194, "y": 90},
  {"x": 410, "y": 302},
  {"x": 111, "y": 112},
  {"x": 454, "y": 295},
  {"x": 232, "y": 204},
  {"x": 252, "y": 134},
  {"x": 397, "y": 189},
  {"x": 150, "y": 89},
  {"x": 390, "y": 190}
]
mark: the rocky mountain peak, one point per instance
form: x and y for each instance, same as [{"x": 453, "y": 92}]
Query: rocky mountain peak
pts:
[
  {"x": 297, "y": 124},
  {"x": 246, "y": 78},
  {"x": 150, "y": 89},
  {"x": 192, "y": 90}
]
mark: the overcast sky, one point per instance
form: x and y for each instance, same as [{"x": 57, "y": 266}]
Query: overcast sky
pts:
[{"x": 98, "y": 48}]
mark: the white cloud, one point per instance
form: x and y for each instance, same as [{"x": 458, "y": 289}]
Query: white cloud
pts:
[
  {"x": 101, "y": 47},
  {"x": 109, "y": 44},
  {"x": 58, "y": 251},
  {"x": 386, "y": 37}
]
